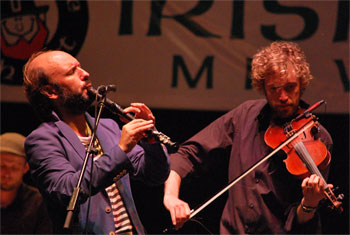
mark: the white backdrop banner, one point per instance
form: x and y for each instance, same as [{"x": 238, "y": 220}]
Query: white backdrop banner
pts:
[{"x": 179, "y": 54}]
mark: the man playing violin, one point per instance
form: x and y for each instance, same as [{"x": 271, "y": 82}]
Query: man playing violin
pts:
[
  {"x": 57, "y": 87},
  {"x": 269, "y": 199}
]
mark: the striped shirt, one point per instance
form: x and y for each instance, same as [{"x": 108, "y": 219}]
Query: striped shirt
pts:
[{"x": 120, "y": 215}]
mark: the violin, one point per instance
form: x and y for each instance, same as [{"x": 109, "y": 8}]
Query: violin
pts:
[
  {"x": 306, "y": 154},
  {"x": 307, "y": 143}
]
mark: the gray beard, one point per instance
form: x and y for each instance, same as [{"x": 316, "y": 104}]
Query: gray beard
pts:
[{"x": 75, "y": 103}]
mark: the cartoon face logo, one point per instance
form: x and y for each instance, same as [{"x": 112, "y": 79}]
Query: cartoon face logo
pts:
[
  {"x": 22, "y": 30},
  {"x": 29, "y": 26}
]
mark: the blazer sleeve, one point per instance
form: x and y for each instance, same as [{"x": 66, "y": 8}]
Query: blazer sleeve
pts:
[
  {"x": 56, "y": 165},
  {"x": 150, "y": 162}
]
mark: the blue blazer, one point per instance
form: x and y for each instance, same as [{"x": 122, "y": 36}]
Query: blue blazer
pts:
[{"x": 55, "y": 155}]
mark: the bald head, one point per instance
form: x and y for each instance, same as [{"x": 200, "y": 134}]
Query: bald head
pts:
[
  {"x": 38, "y": 76},
  {"x": 52, "y": 77},
  {"x": 43, "y": 62}
]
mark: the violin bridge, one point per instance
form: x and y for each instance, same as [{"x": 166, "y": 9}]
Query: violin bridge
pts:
[{"x": 288, "y": 129}]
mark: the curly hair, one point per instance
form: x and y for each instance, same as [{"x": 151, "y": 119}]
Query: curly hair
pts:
[
  {"x": 274, "y": 59},
  {"x": 35, "y": 81}
]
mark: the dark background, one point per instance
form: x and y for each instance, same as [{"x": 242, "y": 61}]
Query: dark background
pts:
[{"x": 182, "y": 124}]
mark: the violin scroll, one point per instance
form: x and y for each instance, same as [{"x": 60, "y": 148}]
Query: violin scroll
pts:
[{"x": 337, "y": 201}]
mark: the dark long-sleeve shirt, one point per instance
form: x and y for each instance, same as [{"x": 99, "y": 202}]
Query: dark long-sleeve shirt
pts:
[
  {"x": 27, "y": 214},
  {"x": 264, "y": 201}
]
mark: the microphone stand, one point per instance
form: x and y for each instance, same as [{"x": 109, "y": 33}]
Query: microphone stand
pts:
[{"x": 90, "y": 151}]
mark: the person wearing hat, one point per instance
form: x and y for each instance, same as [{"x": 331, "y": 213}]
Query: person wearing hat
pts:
[{"x": 22, "y": 207}]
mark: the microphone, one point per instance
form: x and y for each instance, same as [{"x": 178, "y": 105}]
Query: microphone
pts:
[
  {"x": 110, "y": 105},
  {"x": 103, "y": 89}
]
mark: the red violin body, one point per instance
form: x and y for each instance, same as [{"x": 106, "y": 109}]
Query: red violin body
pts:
[{"x": 319, "y": 153}]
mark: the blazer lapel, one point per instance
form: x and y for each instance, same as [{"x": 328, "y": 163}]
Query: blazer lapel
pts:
[
  {"x": 71, "y": 137},
  {"x": 126, "y": 195},
  {"x": 103, "y": 139},
  {"x": 123, "y": 184}
]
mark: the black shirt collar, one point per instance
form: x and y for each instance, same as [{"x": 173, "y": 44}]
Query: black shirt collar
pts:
[{"x": 264, "y": 117}]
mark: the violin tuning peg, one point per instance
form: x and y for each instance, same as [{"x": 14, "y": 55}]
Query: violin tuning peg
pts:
[
  {"x": 315, "y": 132},
  {"x": 340, "y": 197}
]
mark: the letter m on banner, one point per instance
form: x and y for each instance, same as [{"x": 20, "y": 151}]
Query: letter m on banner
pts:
[{"x": 192, "y": 82}]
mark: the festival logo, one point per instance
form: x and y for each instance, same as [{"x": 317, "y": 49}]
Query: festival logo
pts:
[{"x": 30, "y": 26}]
